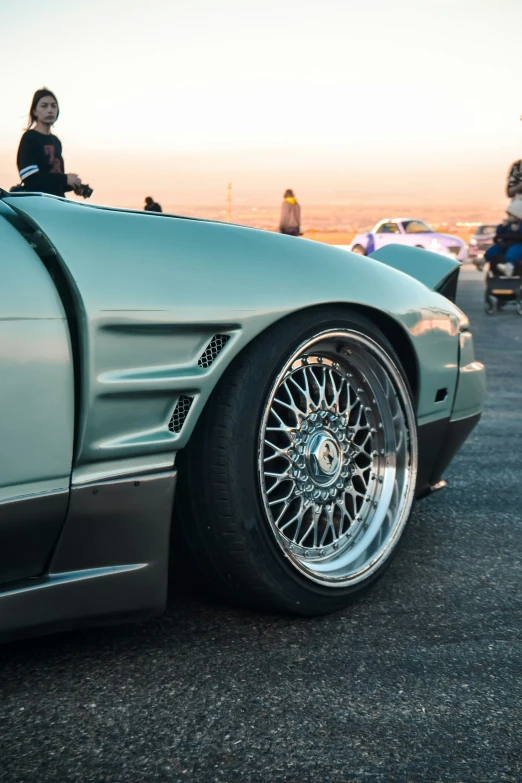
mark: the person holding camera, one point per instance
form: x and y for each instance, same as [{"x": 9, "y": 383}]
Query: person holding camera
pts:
[{"x": 39, "y": 159}]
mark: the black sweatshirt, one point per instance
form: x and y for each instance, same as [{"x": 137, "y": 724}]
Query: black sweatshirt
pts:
[
  {"x": 509, "y": 233},
  {"x": 40, "y": 163}
]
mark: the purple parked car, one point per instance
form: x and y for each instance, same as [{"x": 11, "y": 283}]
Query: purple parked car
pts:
[{"x": 409, "y": 231}]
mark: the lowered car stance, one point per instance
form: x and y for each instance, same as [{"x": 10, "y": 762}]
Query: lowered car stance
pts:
[
  {"x": 410, "y": 232},
  {"x": 268, "y": 406}
]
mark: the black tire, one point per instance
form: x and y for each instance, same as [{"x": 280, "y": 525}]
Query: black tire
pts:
[
  {"x": 359, "y": 249},
  {"x": 219, "y": 508}
]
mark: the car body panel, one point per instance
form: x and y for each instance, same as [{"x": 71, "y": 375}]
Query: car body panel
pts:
[
  {"x": 111, "y": 560},
  {"x": 141, "y": 298},
  {"x": 152, "y": 290},
  {"x": 37, "y": 404},
  {"x": 428, "y": 268},
  {"x": 471, "y": 384}
]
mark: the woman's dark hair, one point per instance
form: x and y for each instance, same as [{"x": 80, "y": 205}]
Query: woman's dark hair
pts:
[
  {"x": 289, "y": 194},
  {"x": 37, "y": 97}
]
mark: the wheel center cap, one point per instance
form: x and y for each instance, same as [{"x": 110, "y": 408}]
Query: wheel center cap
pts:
[{"x": 324, "y": 458}]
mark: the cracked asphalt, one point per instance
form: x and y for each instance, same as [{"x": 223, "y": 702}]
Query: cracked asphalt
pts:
[{"x": 420, "y": 681}]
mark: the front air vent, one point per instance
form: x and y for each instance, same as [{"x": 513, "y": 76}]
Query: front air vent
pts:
[
  {"x": 180, "y": 413},
  {"x": 214, "y": 347}
]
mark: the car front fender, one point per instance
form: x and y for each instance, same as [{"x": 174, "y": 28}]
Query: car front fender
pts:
[{"x": 153, "y": 294}]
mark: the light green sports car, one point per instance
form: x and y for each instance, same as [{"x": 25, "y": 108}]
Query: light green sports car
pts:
[{"x": 299, "y": 396}]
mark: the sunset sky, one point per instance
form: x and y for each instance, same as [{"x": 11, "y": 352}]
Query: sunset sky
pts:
[{"x": 341, "y": 100}]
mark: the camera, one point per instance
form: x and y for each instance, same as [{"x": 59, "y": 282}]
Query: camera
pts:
[{"x": 85, "y": 191}]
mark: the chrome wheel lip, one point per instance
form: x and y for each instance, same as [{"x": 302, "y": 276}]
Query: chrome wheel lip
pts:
[{"x": 356, "y": 555}]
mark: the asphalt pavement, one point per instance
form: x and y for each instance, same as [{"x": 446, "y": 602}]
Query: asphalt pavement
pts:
[{"x": 420, "y": 681}]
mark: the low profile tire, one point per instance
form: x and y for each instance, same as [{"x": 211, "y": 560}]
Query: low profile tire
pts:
[
  {"x": 359, "y": 249},
  {"x": 298, "y": 481}
]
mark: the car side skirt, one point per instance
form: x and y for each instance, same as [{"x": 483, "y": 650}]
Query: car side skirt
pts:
[
  {"x": 110, "y": 563},
  {"x": 438, "y": 444},
  {"x": 29, "y": 529}
]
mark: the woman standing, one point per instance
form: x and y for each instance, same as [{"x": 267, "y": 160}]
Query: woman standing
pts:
[
  {"x": 290, "y": 222},
  {"x": 39, "y": 159}
]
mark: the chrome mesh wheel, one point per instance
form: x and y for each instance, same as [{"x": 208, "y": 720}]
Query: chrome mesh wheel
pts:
[{"x": 337, "y": 457}]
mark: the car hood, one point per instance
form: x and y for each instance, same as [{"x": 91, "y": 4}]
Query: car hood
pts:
[
  {"x": 449, "y": 239},
  {"x": 93, "y": 238}
]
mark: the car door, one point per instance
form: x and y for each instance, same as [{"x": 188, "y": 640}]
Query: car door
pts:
[
  {"x": 36, "y": 409},
  {"x": 387, "y": 233}
]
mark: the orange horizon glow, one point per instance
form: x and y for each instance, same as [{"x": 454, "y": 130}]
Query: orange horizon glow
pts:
[{"x": 346, "y": 103}]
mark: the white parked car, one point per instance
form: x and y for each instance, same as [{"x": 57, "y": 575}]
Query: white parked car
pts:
[{"x": 409, "y": 231}]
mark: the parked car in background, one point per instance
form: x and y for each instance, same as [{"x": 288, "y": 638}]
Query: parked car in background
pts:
[
  {"x": 483, "y": 238},
  {"x": 409, "y": 231}
]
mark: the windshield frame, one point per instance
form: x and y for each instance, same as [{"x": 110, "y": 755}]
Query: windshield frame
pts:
[{"x": 428, "y": 228}]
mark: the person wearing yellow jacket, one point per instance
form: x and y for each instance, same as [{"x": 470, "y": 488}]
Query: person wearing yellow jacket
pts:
[{"x": 290, "y": 222}]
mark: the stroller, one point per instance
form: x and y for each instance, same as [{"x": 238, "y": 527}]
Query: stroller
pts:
[
  {"x": 500, "y": 291},
  {"x": 504, "y": 289}
]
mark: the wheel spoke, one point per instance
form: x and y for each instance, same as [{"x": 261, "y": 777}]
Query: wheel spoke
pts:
[
  {"x": 337, "y": 390},
  {"x": 308, "y": 531},
  {"x": 277, "y": 475},
  {"x": 283, "y": 512},
  {"x": 329, "y": 526},
  {"x": 290, "y": 406},
  {"x": 337, "y": 422},
  {"x": 321, "y": 387},
  {"x": 279, "y": 500},
  {"x": 283, "y": 427},
  {"x": 343, "y": 515},
  {"x": 273, "y": 456},
  {"x": 293, "y": 519},
  {"x": 279, "y": 452},
  {"x": 305, "y": 392}
]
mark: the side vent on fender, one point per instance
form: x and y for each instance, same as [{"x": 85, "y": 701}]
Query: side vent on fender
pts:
[
  {"x": 180, "y": 413},
  {"x": 214, "y": 347}
]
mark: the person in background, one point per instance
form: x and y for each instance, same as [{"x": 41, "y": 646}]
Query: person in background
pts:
[
  {"x": 290, "y": 222},
  {"x": 151, "y": 205},
  {"x": 39, "y": 159},
  {"x": 514, "y": 181},
  {"x": 505, "y": 256}
]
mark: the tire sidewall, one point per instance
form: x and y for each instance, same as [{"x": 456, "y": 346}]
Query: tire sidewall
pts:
[{"x": 267, "y": 356}]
